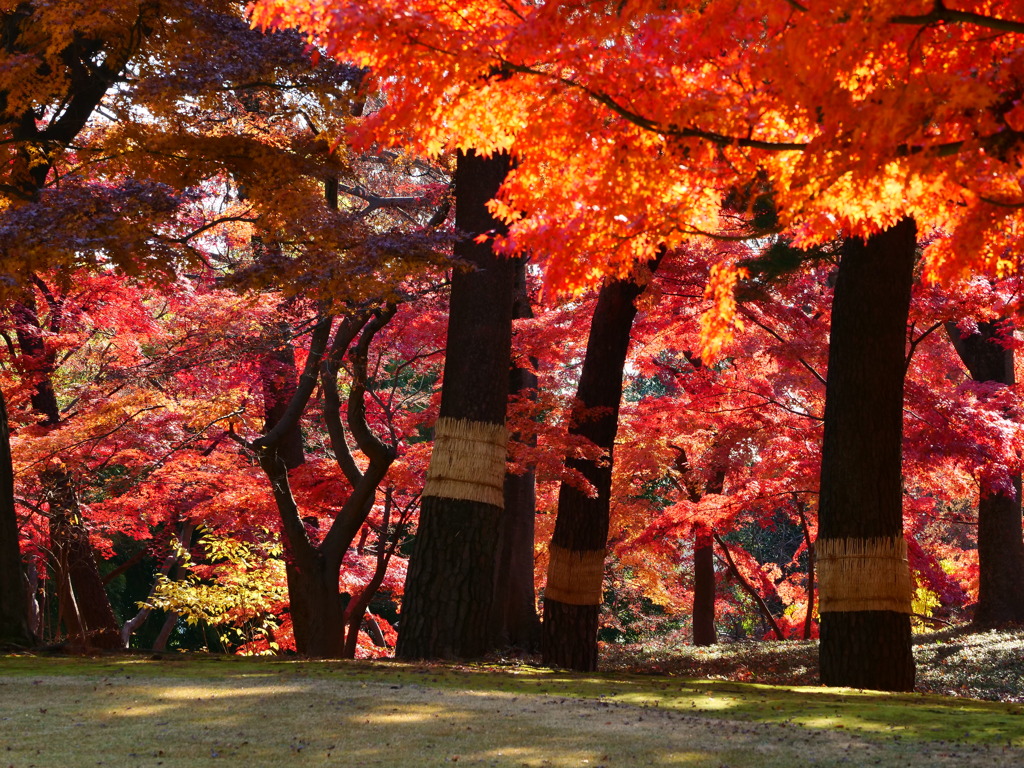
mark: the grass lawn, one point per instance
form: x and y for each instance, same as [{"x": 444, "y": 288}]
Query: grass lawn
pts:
[{"x": 219, "y": 711}]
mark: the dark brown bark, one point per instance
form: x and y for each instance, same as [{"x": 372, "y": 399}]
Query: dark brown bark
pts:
[
  {"x": 314, "y": 602},
  {"x": 312, "y": 569},
  {"x": 704, "y": 632},
  {"x": 514, "y": 618},
  {"x": 569, "y": 632},
  {"x": 867, "y": 649},
  {"x": 14, "y": 607},
  {"x": 703, "y": 587},
  {"x": 279, "y": 383},
  {"x": 861, "y": 472},
  {"x": 317, "y": 608},
  {"x": 450, "y": 583},
  {"x": 84, "y": 607},
  {"x": 747, "y": 587},
  {"x": 1000, "y": 534}
]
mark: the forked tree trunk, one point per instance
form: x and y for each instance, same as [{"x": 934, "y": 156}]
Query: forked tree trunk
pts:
[
  {"x": 14, "y": 607},
  {"x": 450, "y": 582},
  {"x": 84, "y": 606},
  {"x": 865, "y": 587},
  {"x": 278, "y": 381},
  {"x": 574, "y": 593},
  {"x": 703, "y": 587},
  {"x": 313, "y": 565},
  {"x": 514, "y": 618},
  {"x": 1000, "y": 541}
]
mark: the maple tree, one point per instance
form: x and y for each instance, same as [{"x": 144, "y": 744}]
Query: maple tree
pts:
[
  {"x": 449, "y": 592},
  {"x": 133, "y": 150},
  {"x": 854, "y": 116},
  {"x": 765, "y": 157},
  {"x": 1000, "y": 541},
  {"x": 576, "y": 566}
]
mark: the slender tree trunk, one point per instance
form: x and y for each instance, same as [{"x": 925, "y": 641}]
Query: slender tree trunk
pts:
[
  {"x": 450, "y": 582},
  {"x": 14, "y": 607},
  {"x": 703, "y": 587},
  {"x": 747, "y": 587},
  {"x": 514, "y": 618},
  {"x": 1000, "y": 535},
  {"x": 84, "y": 605},
  {"x": 162, "y": 638},
  {"x": 811, "y": 569},
  {"x": 864, "y": 579},
  {"x": 574, "y": 593}
]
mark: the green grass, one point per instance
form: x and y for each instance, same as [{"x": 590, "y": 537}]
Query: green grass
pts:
[{"x": 224, "y": 711}]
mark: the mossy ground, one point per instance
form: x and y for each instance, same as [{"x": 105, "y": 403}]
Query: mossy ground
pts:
[
  {"x": 134, "y": 711},
  {"x": 955, "y": 662}
]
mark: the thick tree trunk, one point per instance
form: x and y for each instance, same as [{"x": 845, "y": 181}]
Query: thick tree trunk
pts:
[
  {"x": 573, "y": 593},
  {"x": 450, "y": 582},
  {"x": 1000, "y": 535},
  {"x": 704, "y": 587},
  {"x": 14, "y": 607},
  {"x": 514, "y": 618},
  {"x": 864, "y": 579},
  {"x": 318, "y": 610}
]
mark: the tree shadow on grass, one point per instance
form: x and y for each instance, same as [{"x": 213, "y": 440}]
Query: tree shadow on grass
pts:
[{"x": 394, "y": 715}]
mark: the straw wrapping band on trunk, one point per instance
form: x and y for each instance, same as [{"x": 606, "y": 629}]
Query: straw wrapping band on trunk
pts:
[
  {"x": 864, "y": 575},
  {"x": 575, "y": 577},
  {"x": 468, "y": 462}
]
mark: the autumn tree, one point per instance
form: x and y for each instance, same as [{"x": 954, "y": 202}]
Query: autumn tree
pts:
[
  {"x": 862, "y": 558},
  {"x": 14, "y": 628},
  {"x": 573, "y": 592},
  {"x": 450, "y": 587},
  {"x": 989, "y": 358},
  {"x": 514, "y": 619}
]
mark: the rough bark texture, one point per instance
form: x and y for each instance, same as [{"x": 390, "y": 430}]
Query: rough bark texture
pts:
[
  {"x": 514, "y": 619},
  {"x": 84, "y": 606},
  {"x": 14, "y": 608},
  {"x": 861, "y": 480},
  {"x": 704, "y": 588},
  {"x": 278, "y": 381},
  {"x": 569, "y": 632},
  {"x": 85, "y": 609},
  {"x": 450, "y": 582},
  {"x": 313, "y": 564},
  {"x": 1000, "y": 535}
]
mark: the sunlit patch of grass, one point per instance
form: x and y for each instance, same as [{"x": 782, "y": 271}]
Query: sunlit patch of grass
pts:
[
  {"x": 954, "y": 662},
  {"x": 285, "y": 713}
]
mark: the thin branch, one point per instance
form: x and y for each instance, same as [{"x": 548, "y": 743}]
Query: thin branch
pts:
[
  {"x": 748, "y": 588},
  {"x": 940, "y": 13},
  {"x": 96, "y": 438},
  {"x": 750, "y": 316}
]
